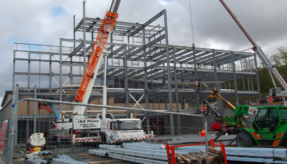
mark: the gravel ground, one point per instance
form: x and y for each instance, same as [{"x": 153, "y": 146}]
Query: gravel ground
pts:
[{"x": 67, "y": 149}]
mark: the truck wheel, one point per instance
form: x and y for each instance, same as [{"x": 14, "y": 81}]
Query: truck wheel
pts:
[
  {"x": 103, "y": 138},
  {"x": 108, "y": 140},
  {"x": 244, "y": 140}
]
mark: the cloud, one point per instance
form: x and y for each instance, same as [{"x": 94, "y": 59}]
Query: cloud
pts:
[{"x": 46, "y": 21}]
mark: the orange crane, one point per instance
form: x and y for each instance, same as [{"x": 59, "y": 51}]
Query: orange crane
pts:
[{"x": 106, "y": 26}]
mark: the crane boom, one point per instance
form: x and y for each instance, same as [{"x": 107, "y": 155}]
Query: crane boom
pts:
[
  {"x": 257, "y": 49},
  {"x": 96, "y": 56}
]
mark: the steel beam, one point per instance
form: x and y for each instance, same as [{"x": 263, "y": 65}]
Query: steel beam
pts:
[{"x": 146, "y": 23}]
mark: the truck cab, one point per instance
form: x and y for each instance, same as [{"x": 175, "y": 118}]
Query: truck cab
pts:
[{"x": 120, "y": 130}]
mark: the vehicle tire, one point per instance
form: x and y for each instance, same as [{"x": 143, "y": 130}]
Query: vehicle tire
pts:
[
  {"x": 108, "y": 140},
  {"x": 103, "y": 138},
  {"x": 244, "y": 140},
  {"x": 96, "y": 144}
]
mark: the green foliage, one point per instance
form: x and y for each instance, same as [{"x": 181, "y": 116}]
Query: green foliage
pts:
[
  {"x": 265, "y": 78},
  {"x": 282, "y": 55},
  {"x": 280, "y": 62},
  {"x": 276, "y": 60}
]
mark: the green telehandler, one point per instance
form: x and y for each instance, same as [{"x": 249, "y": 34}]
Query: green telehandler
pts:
[{"x": 268, "y": 128}]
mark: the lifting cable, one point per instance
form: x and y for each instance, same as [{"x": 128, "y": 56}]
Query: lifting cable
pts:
[{"x": 191, "y": 24}]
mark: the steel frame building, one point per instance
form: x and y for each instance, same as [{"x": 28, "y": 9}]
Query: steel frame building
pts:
[{"x": 141, "y": 65}]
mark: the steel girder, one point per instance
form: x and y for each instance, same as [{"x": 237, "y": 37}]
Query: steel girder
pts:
[
  {"x": 87, "y": 49},
  {"x": 77, "y": 49},
  {"x": 228, "y": 60},
  {"x": 203, "y": 60},
  {"x": 153, "y": 71},
  {"x": 91, "y": 26},
  {"x": 116, "y": 51},
  {"x": 174, "y": 51},
  {"x": 186, "y": 58},
  {"x": 111, "y": 47},
  {"x": 158, "y": 57},
  {"x": 129, "y": 30},
  {"x": 221, "y": 57},
  {"x": 131, "y": 54},
  {"x": 183, "y": 55},
  {"x": 149, "y": 67},
  {"x": 142, "y": 55},
  {"x": 157, "y": 33},
  {"x": 219, "y": 76},
  {"x": 237, "y": 76},
  {"x": 146, "y": 46},
  {"x": 146, "y": 23},
  {"x": 79, "y": 25}
]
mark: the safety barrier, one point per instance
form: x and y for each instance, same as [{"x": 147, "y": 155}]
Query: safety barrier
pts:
[{"x": 158, "y": 125}]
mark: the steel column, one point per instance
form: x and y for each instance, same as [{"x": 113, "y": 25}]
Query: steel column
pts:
[
  {"x": 182, "y": 103},
  {"x": 196, "y": 76},
  {"x": 168, "y": 73},
  {"x": 257, "y": 77},
  {"x": 217, "y": 85},
  {"x": 35, "y": 110},
  {"x": 50, "y": 72},
  {"x": 13, "y": 78},
  {"x": 235, "y": 79},
  {"x": 84, "y": 33},
  {"x": 126, "y": 81},
  {"x": 176, "y": 93},
  {"x": 13, "y": 124},
  {"x": 71, "y": 58},
  {"x": 145, "y": 83},
  {"x": 29, "y": 69},
  {"x": 60, "y": 77}
]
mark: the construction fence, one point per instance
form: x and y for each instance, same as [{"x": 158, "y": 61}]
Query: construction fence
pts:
[{"x": 68, "y": 146}]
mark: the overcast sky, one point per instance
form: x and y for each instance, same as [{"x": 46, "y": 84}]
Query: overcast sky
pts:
[{"x": 45, "y": 21}]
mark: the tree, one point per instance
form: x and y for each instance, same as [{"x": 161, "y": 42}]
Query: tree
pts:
[
  {"x": 282, "y": 55},
  {"x": 276, "y": 60}
]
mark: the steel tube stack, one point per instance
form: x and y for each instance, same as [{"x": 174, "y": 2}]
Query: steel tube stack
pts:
[{"x": 260, "y": 155}]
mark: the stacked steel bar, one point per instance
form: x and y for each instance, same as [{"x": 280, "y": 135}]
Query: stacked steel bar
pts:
[
  {"x": 134, "y": 152},
  {"x": 260, "y": 155},
  {"x": 140, "y": 152}
]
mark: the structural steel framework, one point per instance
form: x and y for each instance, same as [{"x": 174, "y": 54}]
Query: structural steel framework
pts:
[{"x": 141, "y": 62}]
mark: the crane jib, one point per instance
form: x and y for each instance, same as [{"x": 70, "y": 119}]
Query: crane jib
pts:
[
  {"x": 106, "y": 26},
  {"x": 257, "y": 49},
  {"x": 239, "y": 24}
]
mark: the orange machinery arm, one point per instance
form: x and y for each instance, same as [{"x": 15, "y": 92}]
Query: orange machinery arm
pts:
[
  {"x": 107, "y": 25},
  {"x": 216, "y": 95}
]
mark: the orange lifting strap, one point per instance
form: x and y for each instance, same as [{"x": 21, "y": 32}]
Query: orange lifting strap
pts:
[{"x": 107, "y": 25}]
